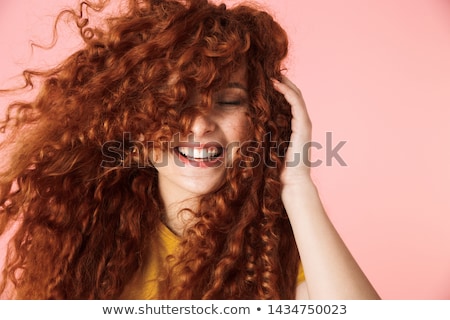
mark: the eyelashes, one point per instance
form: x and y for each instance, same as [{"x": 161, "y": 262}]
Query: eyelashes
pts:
[
  {"x": 231, "y": 103},
  {"x": 231, "y": 98}
]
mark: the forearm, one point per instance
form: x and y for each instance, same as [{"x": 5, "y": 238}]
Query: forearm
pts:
[{"x": 331, "y": 271}]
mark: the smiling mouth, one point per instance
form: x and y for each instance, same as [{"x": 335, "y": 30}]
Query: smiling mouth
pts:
[{"x": 200, "y": 154}]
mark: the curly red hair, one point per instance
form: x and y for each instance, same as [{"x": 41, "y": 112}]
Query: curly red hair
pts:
[{"x": 84, "y": 227}]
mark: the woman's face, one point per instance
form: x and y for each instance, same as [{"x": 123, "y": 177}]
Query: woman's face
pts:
[{"x": 196, "y": 164}]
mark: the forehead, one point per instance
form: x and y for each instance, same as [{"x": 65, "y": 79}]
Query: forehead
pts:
[{"x": 239, "y": 77}]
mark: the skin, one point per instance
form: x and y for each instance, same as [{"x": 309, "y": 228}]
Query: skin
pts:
[
  {"x": 320, "y": 246},
  {"x": 225, "y": 125}
]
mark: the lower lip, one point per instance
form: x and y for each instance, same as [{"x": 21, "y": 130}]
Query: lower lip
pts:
[{"x": 201, "y": 163}]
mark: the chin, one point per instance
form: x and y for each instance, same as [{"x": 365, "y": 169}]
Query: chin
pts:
[{"x": 200, "y": 188}]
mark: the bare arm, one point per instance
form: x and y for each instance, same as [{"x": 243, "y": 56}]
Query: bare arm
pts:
[{"x": 330, "y": 270}]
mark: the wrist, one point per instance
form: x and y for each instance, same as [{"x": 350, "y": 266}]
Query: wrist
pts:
[{"x": 298, "y": 186}]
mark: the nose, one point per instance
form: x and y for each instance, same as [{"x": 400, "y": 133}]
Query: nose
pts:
[{"x": 202, "y": 125}]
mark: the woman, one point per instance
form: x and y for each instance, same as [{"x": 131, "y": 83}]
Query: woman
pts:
[{"x": 155, "y": 164}]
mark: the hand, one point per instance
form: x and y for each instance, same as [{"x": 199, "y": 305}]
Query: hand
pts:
[
  {"x": 319, "y": 244},
  {"x": 296, "y": 166}
]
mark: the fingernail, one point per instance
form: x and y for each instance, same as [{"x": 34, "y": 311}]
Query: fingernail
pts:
[{"x": 275, "y": 81}]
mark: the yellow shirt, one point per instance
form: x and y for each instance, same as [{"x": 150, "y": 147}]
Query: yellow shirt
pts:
[{"x": 145, "y": 285}]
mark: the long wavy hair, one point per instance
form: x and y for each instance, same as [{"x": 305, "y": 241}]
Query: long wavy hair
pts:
[{"x": 84, "y": 217}]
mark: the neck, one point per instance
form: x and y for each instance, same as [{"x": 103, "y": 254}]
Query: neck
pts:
[
  {"x": 177, "y": 215},
  {"x": 177, "y": 206}
]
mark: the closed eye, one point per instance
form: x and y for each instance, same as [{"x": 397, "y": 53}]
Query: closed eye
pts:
[
  {"x": 232, "y": 103},
  {"x": 231, "y": 97}
]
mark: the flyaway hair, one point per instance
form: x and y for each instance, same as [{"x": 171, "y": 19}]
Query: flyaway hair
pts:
[{"x": 79, "y": 186}]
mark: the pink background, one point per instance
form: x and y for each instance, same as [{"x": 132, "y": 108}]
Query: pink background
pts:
[{"x": 376, "y": 74}]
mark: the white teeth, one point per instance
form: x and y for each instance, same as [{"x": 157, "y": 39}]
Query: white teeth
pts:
[{"x": 199, "y": 153}]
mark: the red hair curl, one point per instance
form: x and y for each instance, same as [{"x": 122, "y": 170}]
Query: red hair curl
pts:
[{"x": 84, "y": 226}]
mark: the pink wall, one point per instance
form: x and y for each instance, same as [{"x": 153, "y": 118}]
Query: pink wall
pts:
[{"x": 376, "y": 74}]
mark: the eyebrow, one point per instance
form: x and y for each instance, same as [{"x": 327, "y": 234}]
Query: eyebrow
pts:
[{"x": 236, "y": 85}]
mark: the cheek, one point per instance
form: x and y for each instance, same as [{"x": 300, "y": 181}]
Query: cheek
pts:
[
  {"x": 240, "y": 128},
  {"x": 243, "y": 132}
]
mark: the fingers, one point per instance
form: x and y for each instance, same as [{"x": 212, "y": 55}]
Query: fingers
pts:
[
  {"x": 286, "y": 86},
  {"x": 294, "y": 97},
  {"x": 300, "y": 134},
  {"x": 290, "y": 84}
]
